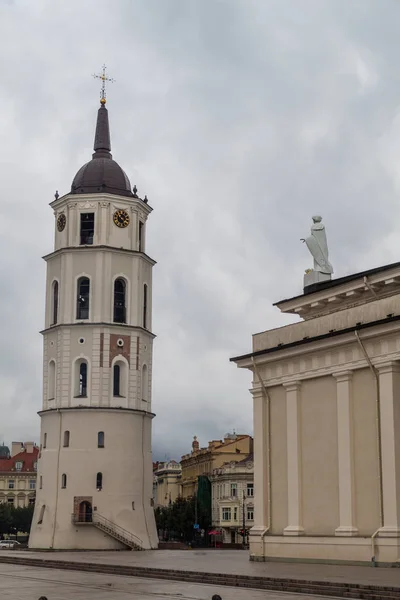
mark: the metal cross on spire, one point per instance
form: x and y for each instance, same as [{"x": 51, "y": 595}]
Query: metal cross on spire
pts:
[{"x": 103, "y": 78}]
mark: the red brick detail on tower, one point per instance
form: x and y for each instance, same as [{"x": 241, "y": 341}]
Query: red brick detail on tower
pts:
[
  {"x": 120, "y": 345},
  {"x": 101, "y": 349}
]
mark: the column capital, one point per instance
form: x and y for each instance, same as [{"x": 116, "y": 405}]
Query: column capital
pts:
[
  {"x": 389, "y": 366},
  {"x": 257, "y": 392},
  {"x": 343, "y": 375},
  {"x": 292, "y": 386}
]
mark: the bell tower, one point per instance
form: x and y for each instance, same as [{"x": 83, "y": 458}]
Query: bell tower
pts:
[{"x": 95, "y": 468}]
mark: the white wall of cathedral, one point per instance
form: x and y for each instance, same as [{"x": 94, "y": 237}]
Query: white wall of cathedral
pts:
[
  {"x": 70, "y": 437},
  {"x": 65, "y": 347}
]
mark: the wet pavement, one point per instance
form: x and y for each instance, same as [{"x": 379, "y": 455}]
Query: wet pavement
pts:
[
  {"x": 224, "y": 561},
  {"x": 27, "y": 583}
]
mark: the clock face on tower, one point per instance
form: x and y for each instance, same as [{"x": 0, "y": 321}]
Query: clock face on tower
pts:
[
  {"x": 61, "y": 222},
  {"x": 121, "y": 218}
]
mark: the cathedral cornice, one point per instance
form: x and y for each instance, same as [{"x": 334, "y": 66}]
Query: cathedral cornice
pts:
[{"x": 101, "y": 247}]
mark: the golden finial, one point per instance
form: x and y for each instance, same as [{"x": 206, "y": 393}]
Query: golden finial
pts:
[{"x": 103, "y": 78}]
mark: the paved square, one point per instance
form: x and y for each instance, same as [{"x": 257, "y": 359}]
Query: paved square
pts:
[{"x": 29, "y": 583}]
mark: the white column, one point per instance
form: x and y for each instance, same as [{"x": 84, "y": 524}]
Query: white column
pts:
[
  {"x": 345, "y": 454},
  {"x": 389, "y": 388},
  {"x": 260, "y": 464},
  {"x": 294, "y": 526}
]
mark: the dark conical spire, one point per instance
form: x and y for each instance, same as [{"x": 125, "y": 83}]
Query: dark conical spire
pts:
[{"x": 102, "y": 143}]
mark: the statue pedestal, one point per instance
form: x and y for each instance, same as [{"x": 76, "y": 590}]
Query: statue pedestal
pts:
[{"x": 314, "y": 277}]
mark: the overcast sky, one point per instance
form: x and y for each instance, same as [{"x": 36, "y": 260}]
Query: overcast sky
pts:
[{"x": 239, "y": 119}]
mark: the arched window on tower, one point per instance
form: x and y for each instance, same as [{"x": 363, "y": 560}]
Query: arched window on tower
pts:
[
  {"x": 54, "y": 303},
  {"x": 66, "y": 439},
  {"x": 116, "y": 380},
  {"x": 100, "y": 439},
  {"x": 99, "y": 481},
  {"x": 145, "y": 306},
  {"x": 81, "y": 378},
  {"x": 120, "y": 370},
  {"x": 63, "y": 481},
  {"x": 145, "y": 383},
  {"x": 51, "y": 381},
  {"x": 83, "y": 298},
  {"x": 119, "y": 301}
]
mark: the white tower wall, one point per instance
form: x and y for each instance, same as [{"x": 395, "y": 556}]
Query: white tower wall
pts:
[{"x": 88, "y": 426}]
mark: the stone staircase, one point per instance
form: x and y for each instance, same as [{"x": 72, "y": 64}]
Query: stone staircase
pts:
[{"x": 119, "y": 533}]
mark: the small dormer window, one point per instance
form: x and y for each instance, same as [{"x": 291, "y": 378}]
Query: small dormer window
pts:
[{"x": 18, "y": 465}]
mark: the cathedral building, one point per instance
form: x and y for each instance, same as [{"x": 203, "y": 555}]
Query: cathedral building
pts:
[
  {"x": 94, "y": 488},
  {"x": 326, "y": 401}
]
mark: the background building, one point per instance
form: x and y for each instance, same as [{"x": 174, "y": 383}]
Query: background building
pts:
[
  {"x": 203, "y": 461},
  {"x": 95, "y": 469},
  {"x": 167, "y": 476},
  {"x": 232, "y": 493},
  {"x": 18, "y": 474},
  {"x": 326, "y": 395}
]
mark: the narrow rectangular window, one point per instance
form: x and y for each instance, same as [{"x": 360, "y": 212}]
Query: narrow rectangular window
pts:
[
  {"x": 11, "y": 484},
  {"x": 233, "y": 490},
  {"x": 145, "y": 306},
  {"x": 32, "y": 484},
  {"x": 141, "y": 236},
  {"x": 87, "y": 229},
  {"x": 250, "y": 489},
  {"x": 45, "y": 440}
]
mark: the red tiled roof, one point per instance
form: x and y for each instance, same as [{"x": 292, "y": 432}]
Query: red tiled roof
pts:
[{"x": 7, "y": 465}]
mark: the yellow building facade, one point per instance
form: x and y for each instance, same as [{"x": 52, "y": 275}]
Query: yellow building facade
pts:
[
  {"x": 203, "y": 461},
  {"x": 167, "y": 479}
]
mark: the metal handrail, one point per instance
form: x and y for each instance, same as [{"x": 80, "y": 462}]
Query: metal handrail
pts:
[{"x": 117, "y": 529}]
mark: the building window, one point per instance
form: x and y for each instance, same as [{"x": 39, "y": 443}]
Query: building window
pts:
[
  {"x": 100, "y": 439},
  {"x": 51, "y": 391},
  {"x": 250, "y": 515},
  {"x": 226, "y": 514},
  {"x": 99, "y": 481},
  {"x": 32, "y": 484},
  {"x": 141, "y": 245},
  {"x": 31, "y": 501},
  {"x": 44, "y": 440},
  {"x": 40, "y": 520},
  {"x": 145, "y": 383},
  {"x": 145, "y": 306},
  {"x": 233, "y": 490},
  {"x": 54, "y": 312},
  {"x": 116, "y": 380},
  {"x": 82, "y": 381},
  {"x": 40, "y": 482},
  {"x": 63, "y": 481},
  {"x": 235, "y": 513},
  {"x": 83, "y": 298},
  {"x": 66, "y": 439},
  {"x": 11, "y": 484},
  {"x": 119, "y": 301},
  {"x": 10, "y": 499},
  {"x": 250, "y": 489},
  {"x": 18, "y": 465},
  {"x": 87, "y": 229}
]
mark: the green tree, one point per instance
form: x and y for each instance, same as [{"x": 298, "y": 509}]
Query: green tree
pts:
[
  {"x": 5, "y": 519},
  {"x": 22, "y": 518}
]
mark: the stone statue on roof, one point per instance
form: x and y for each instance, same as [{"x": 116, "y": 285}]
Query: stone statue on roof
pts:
[{"x": 318, "y": 247}]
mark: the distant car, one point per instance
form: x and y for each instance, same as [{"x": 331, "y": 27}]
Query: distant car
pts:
[{"x": 9, "y": 543}]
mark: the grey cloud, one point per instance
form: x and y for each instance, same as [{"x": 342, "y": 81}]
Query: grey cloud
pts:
[{"x": 239, "y": 119}]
